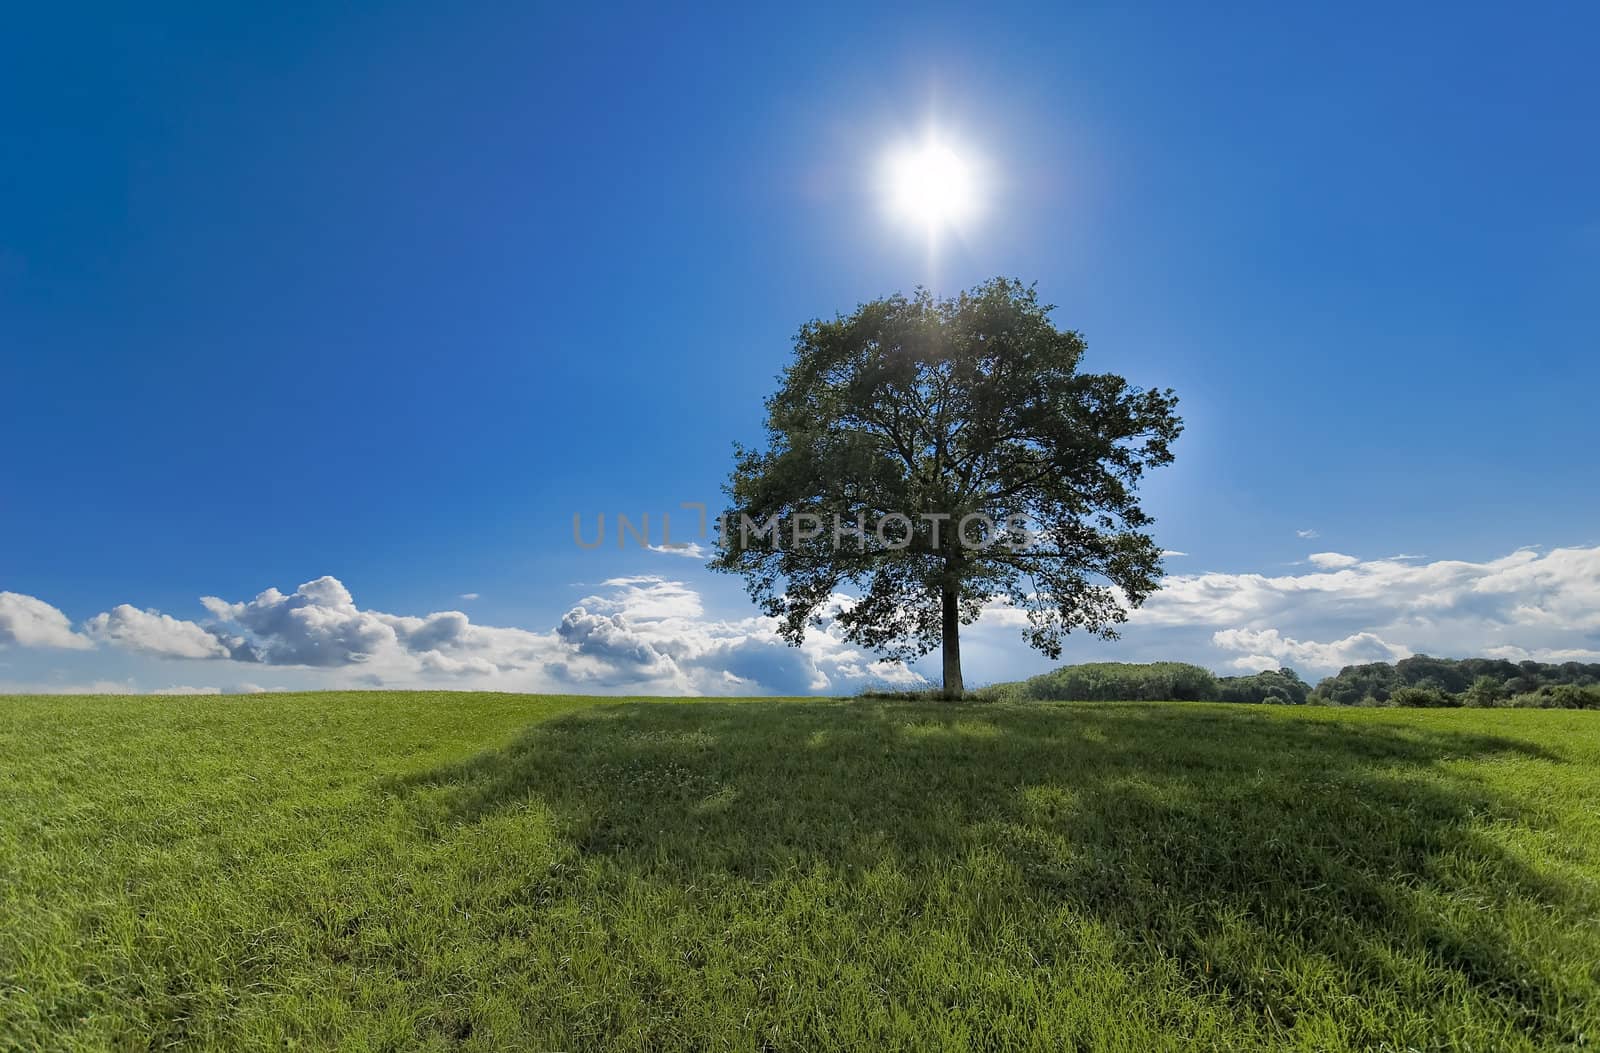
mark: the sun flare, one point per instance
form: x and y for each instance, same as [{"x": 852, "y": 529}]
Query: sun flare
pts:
[{"x": 931, "y": 186}]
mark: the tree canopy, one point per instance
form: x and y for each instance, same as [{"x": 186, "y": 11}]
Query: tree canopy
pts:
[
  {"x": 1153, "y": 682},
  {"x": 938, "y": 455},
  {"x": 1478, "y": 681}
]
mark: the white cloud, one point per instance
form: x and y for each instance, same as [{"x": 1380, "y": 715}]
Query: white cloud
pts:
[
  {"x": 643, "y": 634},
  {"x": 659, "y": 626},
  {"x": 648, "y": 597},
  {"x": 29, "y": 622},
  {"x": 1273, "y": 648},
  {"x": 122, "y": 687},
  {"x": 1561, "y": 586},
  {"x": 1172, "y": 552},
  {"x": 91, "y": 687},
  {"x": 319, "y": 625},
  {"x": 1529, "y": 601},
  {"x": 690, "y": 549},
  {"x": 652, "y": 634},
  {"x": 1544, "y": 654},
  {"x": 158, "y": 634},
  {"x": 469, "y": 596},
  {"x": 617, "y": 645},
  {"x": 1525, "y": 604},
  {"x": 184, "y": 689},
  {"x": 1307, "y": 534}
]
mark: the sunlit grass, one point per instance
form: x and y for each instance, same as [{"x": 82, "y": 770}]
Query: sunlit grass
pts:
[{"x": 396, "y": 871}]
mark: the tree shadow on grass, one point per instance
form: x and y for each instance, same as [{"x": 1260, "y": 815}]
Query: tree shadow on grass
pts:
[{"x": 1248, "y": 851}]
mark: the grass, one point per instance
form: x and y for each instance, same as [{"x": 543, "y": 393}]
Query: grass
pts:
[{"x": 439, "y": 871}]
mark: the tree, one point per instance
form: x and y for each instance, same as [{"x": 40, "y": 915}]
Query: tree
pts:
[
  {"x": 1485, "y": 691},
  {"x": 1279, "y": 686},
  {"x": 1123, "y": 682},
  {"x": 1354, "y": 684},
  {"x": 937, "y": 455}
]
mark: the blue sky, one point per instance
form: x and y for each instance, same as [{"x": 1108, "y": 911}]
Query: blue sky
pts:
[{"x": 387, "y": 295}]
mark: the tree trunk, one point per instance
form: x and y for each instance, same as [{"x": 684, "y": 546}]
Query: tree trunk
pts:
[{"x": 953, "y": 687}]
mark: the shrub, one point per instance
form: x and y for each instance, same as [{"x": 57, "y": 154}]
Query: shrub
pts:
[
  {"x": 1357, "y": 683},
  {"x": 1277, "y": 686},
  {"x": 1559, "y": 696},
  {"x": 1124, "y": 681},
  {"x": 1422, "y": 698},
  {"x": 1489, "y": 681},
  {"x": 1485, "y": 691}
]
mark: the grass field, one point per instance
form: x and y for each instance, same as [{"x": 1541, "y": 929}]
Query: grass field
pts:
[{"x": 437, "y": 871}]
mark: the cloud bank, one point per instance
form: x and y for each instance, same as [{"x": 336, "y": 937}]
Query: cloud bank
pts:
[
  {"x": 650, "y": 634},
  {"x": 1349, "y": 610},
  {"x": 637, "y": 635}
]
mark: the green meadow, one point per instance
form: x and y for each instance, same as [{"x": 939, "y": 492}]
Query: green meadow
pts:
[{"x": 388, "y": 871}]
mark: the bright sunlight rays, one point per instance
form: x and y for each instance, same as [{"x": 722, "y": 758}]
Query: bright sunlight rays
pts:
[{"x": 931, "y": 186}]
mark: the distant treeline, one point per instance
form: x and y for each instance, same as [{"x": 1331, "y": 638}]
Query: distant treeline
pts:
[
  {"x": 1154, "y": 682},
  {"x": 1426, "y": 681},
  {"x": 1418, "y": 681}
]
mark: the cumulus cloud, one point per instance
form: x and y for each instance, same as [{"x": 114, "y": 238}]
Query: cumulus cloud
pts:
[
  {"x": 160, "y": 634},
  {"x": 29, "y": 622},
  {"x": 1255, "y": 663},
  {"x": 646, "y": 634},
  {"x": 615, "y": 644},
  {"x": 316, "y": 625},
  {"x": 651, "y": 634},
  {"x": 1527, "y": 601},
  {"x": 1269, "y": 649},
  {"x": 659, "y": 627},
  {"x": 647, "y": 597}
]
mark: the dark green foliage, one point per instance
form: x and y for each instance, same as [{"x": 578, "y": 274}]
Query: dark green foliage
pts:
[
  {"x": 957, "y": 408},
  {"x": 1154, "y": 682},
  {"x": 1422, "y": 697},
  {"x": 1485, "y": 691},
  {"x": 1278, "y": 686},
  {"x": 1443, "y": 674},
  {"x": 1475, "y": 682},
  {"x": 1421, "y": 682},
  {"x": 1119, "y": 682},
  {"x": 395, "y": 871},
  {"x": 1558, "y": 696},
  {"x": 1357, "y": 685}
]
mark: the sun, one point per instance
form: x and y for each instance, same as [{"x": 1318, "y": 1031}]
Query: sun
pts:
[{"x": 931, "y": 186}]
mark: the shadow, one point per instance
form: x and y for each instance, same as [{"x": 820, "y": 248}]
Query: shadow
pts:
[{"x": 1244, "y": 851}]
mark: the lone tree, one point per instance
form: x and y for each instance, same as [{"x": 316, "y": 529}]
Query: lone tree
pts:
[{"x": 938, "y": 455}]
